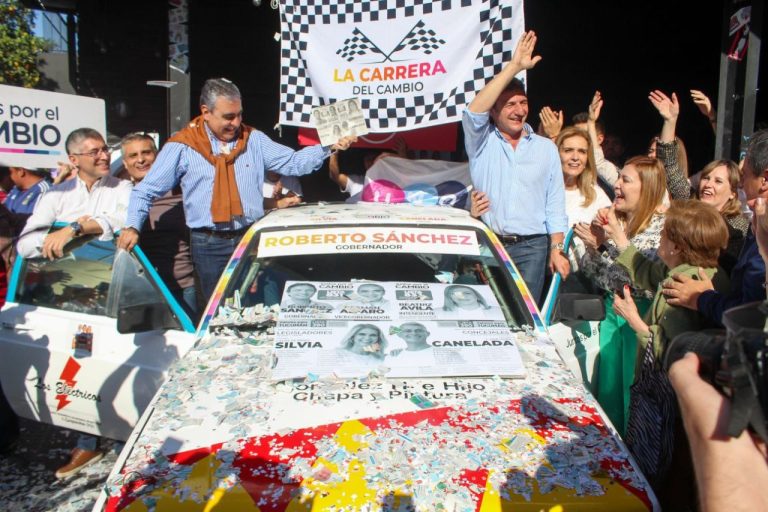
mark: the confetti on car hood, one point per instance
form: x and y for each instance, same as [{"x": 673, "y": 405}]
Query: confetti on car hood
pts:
[{"x": 371, "y": 443}]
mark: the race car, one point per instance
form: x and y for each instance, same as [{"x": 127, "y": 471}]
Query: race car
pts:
[{"x": 375, "y": 357}]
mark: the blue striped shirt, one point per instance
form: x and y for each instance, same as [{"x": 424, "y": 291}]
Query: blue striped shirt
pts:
[
  {"x": 179, "y": 164},
  {"x": 524, "y": 184}
]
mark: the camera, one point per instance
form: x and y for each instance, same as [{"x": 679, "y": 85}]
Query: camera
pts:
[{"x": 736, "y": 364}]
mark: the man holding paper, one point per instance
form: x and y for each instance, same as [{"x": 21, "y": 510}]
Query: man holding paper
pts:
[{"x": 220, "y": 164}]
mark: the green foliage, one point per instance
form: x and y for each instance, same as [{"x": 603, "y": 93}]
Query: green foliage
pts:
[{"x": 19, "y": 49}]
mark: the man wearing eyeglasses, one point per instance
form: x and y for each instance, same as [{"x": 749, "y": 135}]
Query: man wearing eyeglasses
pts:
[{"x": 94, "y": 203}]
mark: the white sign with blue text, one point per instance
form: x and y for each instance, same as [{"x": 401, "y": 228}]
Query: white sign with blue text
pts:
[{"x": 34, "y": 125}]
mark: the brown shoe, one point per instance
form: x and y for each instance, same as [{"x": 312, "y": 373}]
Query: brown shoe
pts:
[{"x": 79, "y": 460}]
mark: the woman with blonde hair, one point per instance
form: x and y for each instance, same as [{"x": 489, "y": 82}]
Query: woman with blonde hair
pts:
[
  {"x": 716, "y": 184},
  {"x": 583, "y": 197},
  {"x": 639, "y": 209},
  {"x": 365, "y": 340}
]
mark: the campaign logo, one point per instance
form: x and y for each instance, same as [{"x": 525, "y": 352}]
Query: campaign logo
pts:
[
  {"x": 418, "y": 39},
  {"x": 373, "y": 71}
]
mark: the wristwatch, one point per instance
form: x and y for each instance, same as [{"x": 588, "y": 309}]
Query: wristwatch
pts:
[
  {"x": 559, "y": 246},
  {"x": 76, "y": 228}
]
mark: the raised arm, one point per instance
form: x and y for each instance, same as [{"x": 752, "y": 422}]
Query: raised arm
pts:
[
  {"x": 666, "y": 147},
  {"x": 705, "y": 107},
  {"x": 605, "y": 169},
  {"x": 522, "y": 59},
  {"x": 669, "y": 110}
]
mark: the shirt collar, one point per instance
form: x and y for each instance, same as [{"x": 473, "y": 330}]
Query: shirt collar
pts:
[
  {"x": 216, "y": 143},
  {"x": 527, "y": 132},
  {"x": 98, "y": 183}
]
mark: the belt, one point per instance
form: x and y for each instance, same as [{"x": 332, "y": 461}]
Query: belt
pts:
[
  {"x": 228, "y": 234},
  {"x": 513, "y": 239}
]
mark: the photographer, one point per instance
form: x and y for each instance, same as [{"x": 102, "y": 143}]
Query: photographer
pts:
[{"x": 731, "y": 473}]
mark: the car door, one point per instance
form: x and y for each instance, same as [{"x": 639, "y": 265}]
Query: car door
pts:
[
  {"x": 570, "y": 314},
  {"x": 63, "y": 360}
]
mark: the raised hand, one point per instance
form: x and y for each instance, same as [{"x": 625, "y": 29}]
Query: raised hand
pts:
[
  {"x": 523, "y": 56},
  {"x": 668, "y": 108},
  {"x": 551, "y": 122},
  {"x": 595, "y": 107},
  {"x": 703, "y": 103}
]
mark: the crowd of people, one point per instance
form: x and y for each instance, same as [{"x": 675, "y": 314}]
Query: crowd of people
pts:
[
  {"x": 668, "y": 251},
  {"x": 205, "y": 189}
]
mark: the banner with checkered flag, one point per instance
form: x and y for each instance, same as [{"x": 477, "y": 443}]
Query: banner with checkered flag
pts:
[
  {"x": 356, "y": 46},
  {"x": 420, "y": 38},
  {"x": 412, "y": 64}
]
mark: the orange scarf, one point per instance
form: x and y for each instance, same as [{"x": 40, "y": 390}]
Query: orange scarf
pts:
[{"x": 225, "y": 202}]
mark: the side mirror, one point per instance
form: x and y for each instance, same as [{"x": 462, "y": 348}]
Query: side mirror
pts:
[
  {"x": 579, "y": 306},
  {"x": 145, "y": 317}
]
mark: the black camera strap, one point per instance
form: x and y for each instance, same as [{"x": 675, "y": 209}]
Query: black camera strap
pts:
[{"x": 745, "y": 409}]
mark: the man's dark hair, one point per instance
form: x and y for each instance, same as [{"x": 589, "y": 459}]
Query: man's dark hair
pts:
[
  {"x": 79, "y": 135},
  {"x": 583, "y": 117},
  {"x": 516, "y": 86},
  {"x": 757, "y": 152},
  {"x": 215, "y": 88},
  {"x": 40, "y": 173}
]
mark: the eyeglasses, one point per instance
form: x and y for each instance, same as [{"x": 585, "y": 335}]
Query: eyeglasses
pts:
[{"x": 94, "y": 153}]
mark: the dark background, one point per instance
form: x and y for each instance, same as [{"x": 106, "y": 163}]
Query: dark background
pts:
[{"x": 623, "y": 49}]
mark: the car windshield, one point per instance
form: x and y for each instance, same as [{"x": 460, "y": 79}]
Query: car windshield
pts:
[{"x": 395, "y": 256}]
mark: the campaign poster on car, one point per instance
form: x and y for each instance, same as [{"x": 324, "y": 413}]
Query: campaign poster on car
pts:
[
  {"x": 396, "y": 328},
  {"x": 379, "y": 300}
]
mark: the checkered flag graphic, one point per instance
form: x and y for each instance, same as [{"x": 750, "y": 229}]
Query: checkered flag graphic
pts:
[
  {"x": 356, "y": 46},
  {"x": 420, "y": 39},
  {"x": 499, "y": 24}
]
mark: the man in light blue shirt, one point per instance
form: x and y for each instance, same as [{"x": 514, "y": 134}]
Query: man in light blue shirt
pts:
[
  {"x": 519, "y": 172},
  {"x": 220, "y": 164}
]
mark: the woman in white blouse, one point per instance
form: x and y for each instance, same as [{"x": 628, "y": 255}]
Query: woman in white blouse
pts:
[{"x": 583, "y": 197}]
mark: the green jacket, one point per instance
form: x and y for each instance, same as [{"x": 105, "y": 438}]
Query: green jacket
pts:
[{"x": 664, "y": 320}]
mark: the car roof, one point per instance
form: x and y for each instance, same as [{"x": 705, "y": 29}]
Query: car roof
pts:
[{"x": 323, "y": 214}]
